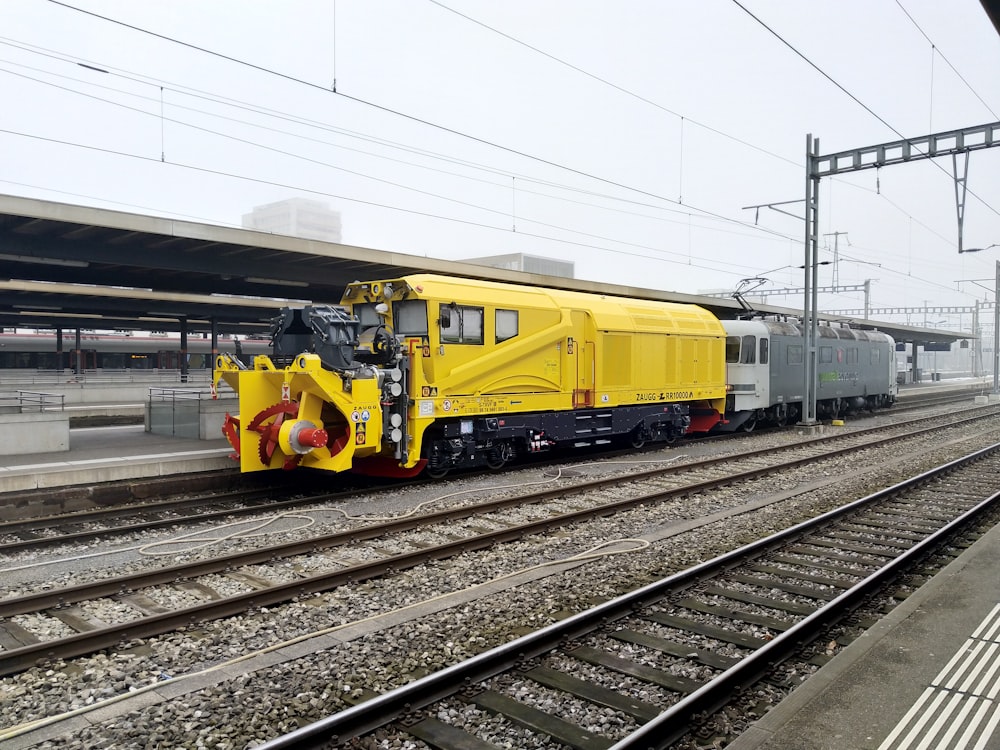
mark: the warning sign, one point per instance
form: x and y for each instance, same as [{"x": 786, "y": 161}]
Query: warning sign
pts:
[
  {"x": 361, "y": 434},
  {"x": 428, "y": 391}
]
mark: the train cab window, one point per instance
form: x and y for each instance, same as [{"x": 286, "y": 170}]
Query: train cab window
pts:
[
  {"x": 461, "y": 325},
  {"x": 410, "y": 317},
  {"x": 742, "y": 350},
  {"x": 763, "y": 351},
  {"x": 732, "y": 349},
  {"x": 506, "y": 323},
  {"x": 794, "y": 353},
  {"x": 367, "y": 315},
  {"x": 825, "y": 355}
]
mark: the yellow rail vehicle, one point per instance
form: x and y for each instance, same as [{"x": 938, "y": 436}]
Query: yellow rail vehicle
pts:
[{"x": 444, "y": 373}]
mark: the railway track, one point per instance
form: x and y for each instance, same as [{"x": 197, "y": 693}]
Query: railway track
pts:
[
  {"x": 104, "y": 523},
  {"x": 928, "y": 401},
  {"x": 701, "y": 636},
  {"x": 373, "y": 549}
]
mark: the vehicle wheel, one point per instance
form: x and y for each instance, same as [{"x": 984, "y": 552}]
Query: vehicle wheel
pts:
[
  {"x": 750, "y": 424},
  {"x": 436, "y": 473},
  {"x": 636, "y": 439},
  {"x": 498, "y": 457}
]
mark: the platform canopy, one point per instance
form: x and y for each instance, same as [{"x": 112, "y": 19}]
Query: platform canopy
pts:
[{"x": 67, "y": 266}]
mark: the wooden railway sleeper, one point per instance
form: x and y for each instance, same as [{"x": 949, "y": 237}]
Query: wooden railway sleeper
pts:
[
  {"x": 445, "y": 737},
  {"x": 539, "y": 721}
]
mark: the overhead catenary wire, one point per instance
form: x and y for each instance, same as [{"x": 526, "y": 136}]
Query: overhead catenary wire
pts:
[
  {"x": 687, "y": 212},
  {"x": 850, "y": 95},
  {"x": 374, "y": 105},
  {"x": 941, "y": 54},
  {"x": 684, "y": 211},
  {"x": 286, "y": 117},
  {"x": 721, "y": 267},
  {"x": 450, "y": 130},
  {"x": 617, "y": 87},
  {"x": 658, "y": 251},
  {"x": 681, "y": 117}
]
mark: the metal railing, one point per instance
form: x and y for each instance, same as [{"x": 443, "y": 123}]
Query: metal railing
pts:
[
  {"x": 178, "y": 394},
  {"x": 102, "y": 375},
  {"x": 31, "y": 401},
  {"x": 176, "y": 411}
]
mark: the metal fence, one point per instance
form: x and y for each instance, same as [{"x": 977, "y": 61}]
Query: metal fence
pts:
[
  {"x": 175, "y": 411},
  {"x": 102, "y": 375},
  {"x": 31, "y": 401}
]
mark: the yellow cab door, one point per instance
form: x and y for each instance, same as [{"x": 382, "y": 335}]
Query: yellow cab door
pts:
[{"x": 581, "y": 350}]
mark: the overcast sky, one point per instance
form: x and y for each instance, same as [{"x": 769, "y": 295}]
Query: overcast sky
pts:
[{"x": 625, "y": 136}]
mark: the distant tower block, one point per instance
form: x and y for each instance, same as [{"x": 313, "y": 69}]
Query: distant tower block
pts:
[
  {"x": 298, "y": 217},
  {"x": 527, "y": 263}
]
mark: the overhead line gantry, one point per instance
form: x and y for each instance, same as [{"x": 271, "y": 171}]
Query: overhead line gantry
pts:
[{"x": 947, "y": 143}]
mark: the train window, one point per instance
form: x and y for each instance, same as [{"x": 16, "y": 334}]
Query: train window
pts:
[
  {"x": 852, "y": 356},
  {"x": 367, "y": 315},
  {"x": 461, "y": 325},
  {"x": 732, "y": 349},
  {"x": 410, "y": 317},
  {"x": 763, "y": 351},
  {"x": 506, "y": 321},
  {"x": 795, "y": 354},
  {"x": 748, "y": 352},
  {"x": 472, "y": 325},
  {"x": 825, "y": 355},
  {"x": 875, "y": 356},
  {"x": 451, "y": 325}
]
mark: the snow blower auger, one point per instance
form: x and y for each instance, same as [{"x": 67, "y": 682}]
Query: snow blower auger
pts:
[
  {"x": 302, "y": 415},
  {"x": 300, "y": 437}
]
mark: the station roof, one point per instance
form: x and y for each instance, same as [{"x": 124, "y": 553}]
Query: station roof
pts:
[{"x": 68, "y": 266}]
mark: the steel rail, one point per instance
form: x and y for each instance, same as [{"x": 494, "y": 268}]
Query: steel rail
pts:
[
  {"x": 100, "y": 514},
  {"x": 25, "y": 657},
  {"x": 673, "y": 723},
  {"x": 91, "y": 516},
  {"x": 126, "y": 584}
]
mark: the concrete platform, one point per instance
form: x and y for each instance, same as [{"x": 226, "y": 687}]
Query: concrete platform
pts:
[
  {"x": 112, "y": 454},
  {"x": 927, "y": 676}
]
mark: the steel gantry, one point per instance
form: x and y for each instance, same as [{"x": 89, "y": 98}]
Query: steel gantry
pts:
[{"x": 949, "y": 143}]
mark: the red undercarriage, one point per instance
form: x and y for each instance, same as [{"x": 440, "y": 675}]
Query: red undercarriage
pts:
[{"x": 703, "y": 420}]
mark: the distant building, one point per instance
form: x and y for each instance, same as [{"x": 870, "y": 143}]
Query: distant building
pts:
[
  {"x": 298, "y": 217},
  {"x": 526, "y": 263}
]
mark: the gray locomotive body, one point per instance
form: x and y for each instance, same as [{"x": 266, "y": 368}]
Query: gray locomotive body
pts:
[{"x": 765, "y": 368}]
